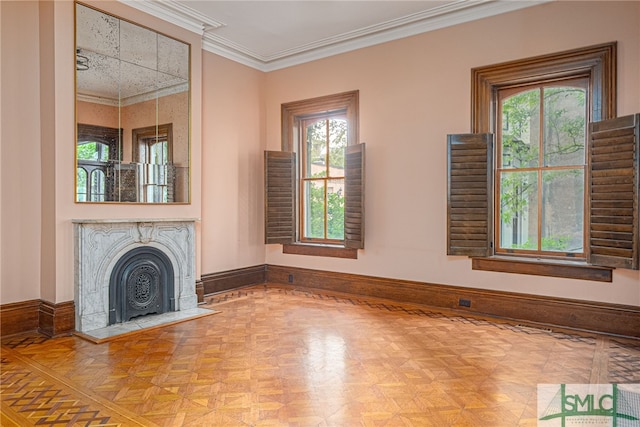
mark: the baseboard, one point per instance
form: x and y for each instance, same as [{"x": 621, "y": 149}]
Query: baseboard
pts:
[
  {"x": 551, "y": 312},
  {"x": 57, "y": 319},
  {"x": 200, "y": 290},
  {"x": 614, "y": 319},
  {"x": 37, "y": 315},
  {"x": 233, "y": 279},
  {"x": 19, "y": 317}
]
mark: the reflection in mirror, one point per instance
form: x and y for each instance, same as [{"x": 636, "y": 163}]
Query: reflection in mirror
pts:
[{"x": 132, "y": 112}]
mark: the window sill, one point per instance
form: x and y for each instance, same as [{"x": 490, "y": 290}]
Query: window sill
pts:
[
  {"x": 320, "y": 250},
  {"x": 537, "y": 267}
]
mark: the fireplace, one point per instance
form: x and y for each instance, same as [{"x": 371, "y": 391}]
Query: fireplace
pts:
[{"x": 125, "y": 269}]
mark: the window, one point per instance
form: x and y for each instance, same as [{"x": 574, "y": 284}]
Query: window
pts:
[
  {"x": 316, "y": 205},
  {"x": 153, "y": 151},
  {"x": 322, "y": 152},
  {"x": 541, "y": 142},
  {"x": 93, "y": 160},
  {"x": 97, "y": 151},
  {"x": 550, "y": 191}
]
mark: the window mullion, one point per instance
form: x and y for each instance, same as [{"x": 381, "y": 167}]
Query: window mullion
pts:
[
  {"x": 540, "y": 203},
  {"x": 325, "y": 181},
  {"x": 326, "y": 208},
  {"x": 541, "y": 165}
]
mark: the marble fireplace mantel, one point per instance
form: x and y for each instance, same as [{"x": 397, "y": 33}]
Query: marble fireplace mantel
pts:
[{"x": 100, "y": 243}]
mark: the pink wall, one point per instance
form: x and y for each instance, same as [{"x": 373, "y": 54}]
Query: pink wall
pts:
[
  {"x": 232, "y": 144},
  {"x": 90, "y": 113},
  {"x": 20, "y": 228},
  {"x": 412, "y": 93},
  {"x": 415, "y": 91}
]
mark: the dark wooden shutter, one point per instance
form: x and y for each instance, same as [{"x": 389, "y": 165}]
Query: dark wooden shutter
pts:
[
  {"x": 280, "y": 197},
  {"x": 613, "y": 192},
  {"x": 469, "y": 194},
  {"x": 354, "y": 197}
]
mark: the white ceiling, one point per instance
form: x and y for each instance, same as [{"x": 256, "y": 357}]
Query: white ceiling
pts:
[{"x": 269, "y": 35}]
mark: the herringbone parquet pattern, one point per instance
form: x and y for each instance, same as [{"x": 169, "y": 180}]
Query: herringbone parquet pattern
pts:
[{"x": 276, "y": 356}]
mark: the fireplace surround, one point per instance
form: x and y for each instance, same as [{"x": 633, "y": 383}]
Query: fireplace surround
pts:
[{"x": 108, "y": 253}]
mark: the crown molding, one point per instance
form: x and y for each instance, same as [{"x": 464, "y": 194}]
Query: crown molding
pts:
[
  {"x": 454, "y": 13},
  {"x": 175, "y": 13},
  {"x": 114, "y": 102}
]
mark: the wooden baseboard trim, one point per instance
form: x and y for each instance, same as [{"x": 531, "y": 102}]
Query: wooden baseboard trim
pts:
[
  {"x": 233, "y": 279},
  {"x": 613, "y": 319},
  {"x": 37, "y": 315},
  {"x": 19, "y": 317},
  {"x": 57, "y": 319},
  {"x": 200, "y": 290}
]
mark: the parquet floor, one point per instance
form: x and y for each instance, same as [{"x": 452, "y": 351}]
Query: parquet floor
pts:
[{"x": 277, "y": 356}]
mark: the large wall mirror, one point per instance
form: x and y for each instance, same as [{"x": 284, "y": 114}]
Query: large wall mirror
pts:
[{"x": 132, "y": 112}]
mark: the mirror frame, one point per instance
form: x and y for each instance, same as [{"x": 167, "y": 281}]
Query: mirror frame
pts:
[{"x": 182, "y": 181}]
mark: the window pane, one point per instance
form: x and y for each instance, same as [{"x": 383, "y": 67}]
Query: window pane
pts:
[
  {"x": 97, "y": 185},
  {"x": 314, "y": 209},
  {"x": 564, "y": 126},
  {"x": 92, "y": 151},
  {"x": 563, "y": 210},
  {"x": 81, "y": 189},
  {"x": 518, "y": 210},
  {"x": 337, "y": 146},
  {"x": 158, "y": 154},
  {"x": 335, "y": 209},
  {"x": 143, "y": 152},
  {"x": 103, "y": 152},
  {"x": 316, "y": 149},
  {"x": 521, "y": 130},
  {"x": 156, "y": 193}
]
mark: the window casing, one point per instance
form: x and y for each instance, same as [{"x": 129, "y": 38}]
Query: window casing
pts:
[
  {"x": 314, "y": 187},
  {"x": 472, "y": 166}
]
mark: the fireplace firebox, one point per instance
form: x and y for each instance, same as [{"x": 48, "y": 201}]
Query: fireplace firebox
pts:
[{"x": 141, "y": 283}]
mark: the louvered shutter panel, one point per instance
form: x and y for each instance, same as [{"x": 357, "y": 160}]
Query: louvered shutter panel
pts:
[
  {"x": 354, "y": 197},
  {"x": 280, "y": 197},
  {"x": 613, "y": 192},
  {"x": 469, "y": 194}
]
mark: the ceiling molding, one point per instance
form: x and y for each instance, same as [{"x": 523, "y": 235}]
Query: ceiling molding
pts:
[
  {"x": 454, "y": 13},
  {"x": 175, "y": 13},
  {"x": 132, "y": 100}
]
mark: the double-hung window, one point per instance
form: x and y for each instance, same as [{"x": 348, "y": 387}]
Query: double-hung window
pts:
[
  {"x": 549, "y": 175},
  {"x": 153, "y": 152},
  {"x": 314, "y": 187},
  {"x": 540, "y": 164},
  {"x": 322, "y": 152}
]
